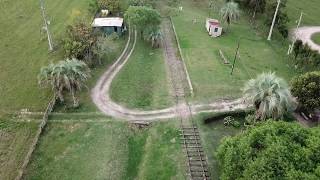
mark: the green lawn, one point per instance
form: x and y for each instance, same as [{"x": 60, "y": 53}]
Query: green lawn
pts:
[
  {"x": 15, "y": 140},
  {"x": 142, "y": 82},
  {"x": 309, "y": 7},
  {"x": 211, "y": 136},
  {"x": 316, "y": 38},
  {"x": 24, "y": 49},
  {"x": 108, "y": 149},
  {"x": 210, "y": 77}
]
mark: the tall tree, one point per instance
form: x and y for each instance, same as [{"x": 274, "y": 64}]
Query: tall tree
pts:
[
  {"x": 270, "y": 96},
  {"x": 230, "y": 12},
  {"x": 79, "y": 41},
  {"x": 67, "y": 75},
  {"x": 144, "y": 18}
]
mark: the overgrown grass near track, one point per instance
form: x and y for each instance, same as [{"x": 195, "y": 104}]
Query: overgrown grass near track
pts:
[
  {"x": 107, "y": 150},
  {"x": 24, "y": 48},
  {"x": 15, "y": 140},
  {"x": 142, "y": 82},
  {"x": 210, "y": 77},
  {"x": 211, "y": 136}
]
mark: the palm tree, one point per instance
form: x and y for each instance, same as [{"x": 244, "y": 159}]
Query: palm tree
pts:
[
  {"x": 230, "y": 12},
  {"x": 270, "y": 96},
  {"x": 66, "y": 75},
  {"x": 155, "y": 37}
]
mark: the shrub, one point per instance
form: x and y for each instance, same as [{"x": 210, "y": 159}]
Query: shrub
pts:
[{"x": 306, "y": 88}]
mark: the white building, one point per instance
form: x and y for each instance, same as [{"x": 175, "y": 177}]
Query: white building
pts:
[{"x": 213, "y": 27}]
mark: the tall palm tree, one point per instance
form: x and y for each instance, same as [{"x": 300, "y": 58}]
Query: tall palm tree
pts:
[
  {"x": 270, "y": 96},
  {"x": 230, "y": 12},
  {"x": 67, "y": 75}
]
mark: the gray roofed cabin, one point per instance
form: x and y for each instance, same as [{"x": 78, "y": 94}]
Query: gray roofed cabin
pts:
[{"x": 109, "y": 25}]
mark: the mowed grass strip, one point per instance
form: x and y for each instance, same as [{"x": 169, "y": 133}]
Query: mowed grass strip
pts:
[
  {"x": 210, "y": 77},
  {"x": 24, "y": 48},
  {"x": 108, "y": 150},
  {"x": 142, "y": 82},
  {"x": 15, "y": 140},
  {"x": 81, "y": 151}
]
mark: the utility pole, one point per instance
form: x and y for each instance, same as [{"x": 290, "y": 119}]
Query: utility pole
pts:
[
  {"x": 274, "y": 20},
  {"x": 235, "y": 57},
  {"x": 46, "y": 24},
  {"x": 295, "y": 36}
]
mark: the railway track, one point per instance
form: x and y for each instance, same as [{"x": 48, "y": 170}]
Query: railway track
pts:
[{"x": 190, "y": 137}]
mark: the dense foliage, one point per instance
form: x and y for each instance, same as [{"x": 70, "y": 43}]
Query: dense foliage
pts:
[
  {"x": 273, "y": 150},
  {"x": 304, "y": 56},
  {"x": 270, "y": 95},
  {"x": 147, "y": 20},
  {"x": 252, "y": 6},
  {"x": 79, "y": 42},
  {"x": 113, "y": 6},
  {"x": 282, "y": 18},
  {"x": 306, "y": 88}
]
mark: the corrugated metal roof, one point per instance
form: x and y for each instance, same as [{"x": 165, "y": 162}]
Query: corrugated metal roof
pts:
[{"x": 108, "y": 22}]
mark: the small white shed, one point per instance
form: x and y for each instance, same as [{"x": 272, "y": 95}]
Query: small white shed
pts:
[{"x": 213, "y": 27}]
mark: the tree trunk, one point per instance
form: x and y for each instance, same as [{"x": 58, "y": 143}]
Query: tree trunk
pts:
[{"x": 75, "y": 101}]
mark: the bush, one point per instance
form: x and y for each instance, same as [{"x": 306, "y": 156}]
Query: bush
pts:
[
  {"x": 79, "y": 42},
  {"x": 306, "y": 88},
  {"x": 272, "y": 150}
]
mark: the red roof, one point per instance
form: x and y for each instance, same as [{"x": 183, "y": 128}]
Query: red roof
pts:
[{"x": 214, "y": 23}]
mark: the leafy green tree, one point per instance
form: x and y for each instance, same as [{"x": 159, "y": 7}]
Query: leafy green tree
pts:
[
  {"x": 67, "y": 75},
  {"x": 144, "y": 18},
  {"x": 79, "y": 41},
  {"x": 271, "y": 150},
  {"x": 153, "y": 35},
  {"x": 306, "y": 88},
  {"x": 230, "y": 12},
  {"x": 270, "y": 96}
]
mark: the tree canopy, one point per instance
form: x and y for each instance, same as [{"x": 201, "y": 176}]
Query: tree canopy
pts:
[
  {"x": 306, "y": 88},
  {"x": 273, "y": 150},
  {"x": 270, "y": 95},
  {"x": 143, "y": 17}
]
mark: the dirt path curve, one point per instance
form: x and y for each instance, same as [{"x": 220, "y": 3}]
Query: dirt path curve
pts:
[
  {"x": 101, "y": 95},
  {"x": 305, "y": 34}
]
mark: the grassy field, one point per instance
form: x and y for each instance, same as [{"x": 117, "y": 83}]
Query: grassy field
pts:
[
  {"x": 142, "y": 82},
  {"x": 316, "y": 38},
  {"x": 107, "y": 149},
  {"x": 15, "y": 139},
  {"x": 24, "y": 48},
  {"x": 310, "y": 9},
  {"x": 210, "y": 77}
]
